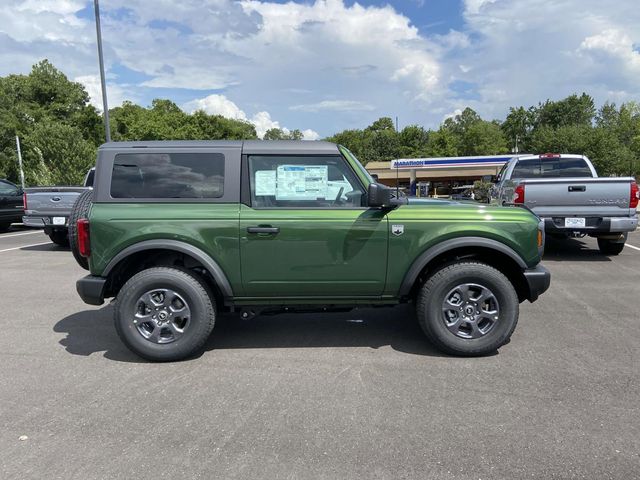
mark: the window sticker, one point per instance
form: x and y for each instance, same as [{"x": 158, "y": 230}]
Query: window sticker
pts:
[
  {"x": 265, "y": 182},
  {"x": 302, "y": 182}
]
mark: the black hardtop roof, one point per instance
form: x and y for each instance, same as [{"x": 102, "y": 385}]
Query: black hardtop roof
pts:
[{"x": 266, "y": 147}]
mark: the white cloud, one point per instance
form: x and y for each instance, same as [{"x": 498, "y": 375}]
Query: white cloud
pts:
[
  {"x": 328, "y": 64},
  {"x": 334, "y": 105},
  {"x": 220, "y": 105},
  {"x": 216, "y": 105},
  {"x": 613, "y": 44},
  {"x": 116, "y": 94}
]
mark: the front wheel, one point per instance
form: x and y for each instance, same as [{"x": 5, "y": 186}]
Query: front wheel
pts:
[
  {"x": 468, "y": 308},
  {"x": 164, "y": 314},
  {"x": 608, "y": 247}
]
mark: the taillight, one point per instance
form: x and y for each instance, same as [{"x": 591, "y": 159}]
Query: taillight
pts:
[
  {"x": 518, "y": 194},
  {"x": 24, "y": 201},
  {"x": 84, "y": 243},
  {"x": 635, "y": 195}
]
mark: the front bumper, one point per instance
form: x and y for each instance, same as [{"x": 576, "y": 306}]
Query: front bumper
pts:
[
  {"x": 594, "y": 225},
  {"x": 91, "y": 289},
  {"x": 538, "y": 280}
]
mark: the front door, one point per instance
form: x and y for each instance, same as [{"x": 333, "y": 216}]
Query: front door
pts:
[{"x": 306, "y": 232}]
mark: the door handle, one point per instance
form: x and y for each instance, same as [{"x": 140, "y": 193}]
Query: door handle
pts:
[
  {"x": 577, "y": 188},
  {"x": 264, "y": 230}
]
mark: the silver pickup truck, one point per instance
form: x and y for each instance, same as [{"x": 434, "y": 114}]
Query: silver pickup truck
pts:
[
  {"x": 564, "y": 190},
  {"x": 50, "y": 207}
]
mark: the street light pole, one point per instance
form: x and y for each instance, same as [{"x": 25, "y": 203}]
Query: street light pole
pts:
[{"x": 107, "y": 130}]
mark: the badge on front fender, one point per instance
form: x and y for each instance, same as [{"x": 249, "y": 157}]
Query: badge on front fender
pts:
[{"x": 397, "y": 230}]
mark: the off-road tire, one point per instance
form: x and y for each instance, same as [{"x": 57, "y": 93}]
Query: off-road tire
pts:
[
  {"x": 607, "y": 247},
  {"x": 194, "y": 292},
  {"x": 429, "y": 308},
  {"x": 79, "y": 210},
  {"x": 60, "y": 238},
  {"x": 4, "y": 227}
]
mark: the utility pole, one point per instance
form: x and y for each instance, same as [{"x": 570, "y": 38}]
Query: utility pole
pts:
[
  {"x": 105, "y": 106},
  {"x": 20, "y": 161}
]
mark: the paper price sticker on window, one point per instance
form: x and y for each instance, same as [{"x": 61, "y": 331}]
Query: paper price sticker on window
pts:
[
  {"x": 265, "y": 183},
  {"x": 301, "y": 182}
]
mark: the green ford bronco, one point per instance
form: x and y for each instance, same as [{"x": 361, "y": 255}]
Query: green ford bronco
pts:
[{"x": 178, "y": 231}]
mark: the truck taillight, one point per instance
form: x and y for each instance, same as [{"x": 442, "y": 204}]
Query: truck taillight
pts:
[
  {"x": 635, "y": 195},
  {"x": 518, "y": 194},
  {"x": 84, "y": 242},
  {"x": 24, "y": 201}
]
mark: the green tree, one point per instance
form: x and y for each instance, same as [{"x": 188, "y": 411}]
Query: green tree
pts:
[
  {"x": 518, "y": 128},
  {"x": 48, "y": 112},
  {"x": 573, "y": 110}
]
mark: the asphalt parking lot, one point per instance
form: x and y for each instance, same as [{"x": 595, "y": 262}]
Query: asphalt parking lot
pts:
[{"x": 338, "y": 396}]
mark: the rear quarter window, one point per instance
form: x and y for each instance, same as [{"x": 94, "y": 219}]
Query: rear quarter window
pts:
[{"x": 168, "y": 175}]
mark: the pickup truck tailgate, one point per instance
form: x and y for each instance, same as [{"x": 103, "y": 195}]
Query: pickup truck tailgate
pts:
[
  {"x": 583, "y": 197},
  {"x": 51, "y": 200}
]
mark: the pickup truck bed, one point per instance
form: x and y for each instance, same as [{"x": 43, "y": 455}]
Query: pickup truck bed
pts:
[
  {"x": 50, "y": 206},
  {"x": 585, "y": 205},
  {"x": 565, "y": 192}
]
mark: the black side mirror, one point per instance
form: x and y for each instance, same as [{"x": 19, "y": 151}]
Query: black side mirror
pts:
[{"x": 379, "y": 195}]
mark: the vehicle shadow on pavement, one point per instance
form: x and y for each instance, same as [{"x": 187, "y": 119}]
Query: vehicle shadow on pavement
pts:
[
  {"x": 396, "y": 327},
  {"x": 571, "y": 249},
  {"x": 47, "y": 247},
  {"x": 92, "y": 331}
]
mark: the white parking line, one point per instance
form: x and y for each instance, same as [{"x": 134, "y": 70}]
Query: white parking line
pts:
[
  {"x": 19, "y": 234},
  {"x": 25, "y": 246},
  {"x": 635, "y": 248}
]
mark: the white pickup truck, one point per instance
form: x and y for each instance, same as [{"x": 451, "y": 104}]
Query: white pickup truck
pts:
[
  {"x": 50, "y": 207},
  {"x": 564, "y": 190}
]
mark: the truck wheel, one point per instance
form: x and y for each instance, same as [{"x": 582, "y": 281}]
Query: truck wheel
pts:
[
  {"x": 4, "y": 227},
  {"x": 468, "y": 309},
  {"x": 60, "y": 237},
  {"x": 79, "y": 210},
  {"x": 164, "y": 314},
  {"x": 609, "y": 247}
]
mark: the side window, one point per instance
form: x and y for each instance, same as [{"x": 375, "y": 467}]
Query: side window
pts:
[
  {"x": 501, "y": 173},
  {"x": 527, "y": 169},
  {"x": 303, "y": 182},
  {"x": 168, "y": 175},
  {"x": 8, "y": 189}
]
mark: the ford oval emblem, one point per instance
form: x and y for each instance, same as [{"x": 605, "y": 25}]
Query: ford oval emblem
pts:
[{"x": 55, "y": 199}]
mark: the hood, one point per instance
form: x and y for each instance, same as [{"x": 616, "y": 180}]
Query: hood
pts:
[{"x": 439, "y": 201}]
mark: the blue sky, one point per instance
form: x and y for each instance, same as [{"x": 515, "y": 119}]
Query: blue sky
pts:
[{"x": 325, "y": 65}]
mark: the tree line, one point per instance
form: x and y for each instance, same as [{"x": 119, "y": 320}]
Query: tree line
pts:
[
  {"x": 609, "y": 135},
  {"x": 60, "y": 130}
]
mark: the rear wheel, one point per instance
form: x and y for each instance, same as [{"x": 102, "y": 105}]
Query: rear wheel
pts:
[
  {"x": 468, "y": 309},
  {"x": 164, "y": 314},
  {"x": 79, "y": 210},
  {"x": 59, "y": 237},
  {"x": 609, "y": 247},
  {"x": 4, "y": 227}
]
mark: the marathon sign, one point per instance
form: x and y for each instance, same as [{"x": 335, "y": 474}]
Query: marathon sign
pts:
[{"x": 450, "y": 162}]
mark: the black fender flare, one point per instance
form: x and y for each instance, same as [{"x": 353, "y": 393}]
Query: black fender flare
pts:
[
  {"x": 419, "y": 263},
  {"x": 209, "y": 263}
]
